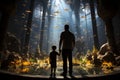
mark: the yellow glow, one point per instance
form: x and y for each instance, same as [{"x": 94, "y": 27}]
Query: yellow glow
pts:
[
  {"x": 26, "y": 63},
  {"x": 107, "y": 64},
  {"x": 25, "y": 70}
]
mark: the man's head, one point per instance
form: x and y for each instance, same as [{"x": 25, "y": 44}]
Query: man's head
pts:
[{"x": 66, "y": 27}]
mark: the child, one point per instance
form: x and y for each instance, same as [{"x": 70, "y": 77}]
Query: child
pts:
[{"x": 53, "y": 57}]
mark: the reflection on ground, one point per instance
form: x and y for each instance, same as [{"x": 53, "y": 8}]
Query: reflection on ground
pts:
[{"x": 42, "y": 67}]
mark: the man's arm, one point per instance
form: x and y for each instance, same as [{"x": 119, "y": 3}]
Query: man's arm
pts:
[
  {"x": 60, "y": 43},
  {"x": 73, "y": 41}
]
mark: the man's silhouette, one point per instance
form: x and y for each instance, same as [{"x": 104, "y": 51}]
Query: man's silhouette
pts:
[{"x": 66, "y": 45}]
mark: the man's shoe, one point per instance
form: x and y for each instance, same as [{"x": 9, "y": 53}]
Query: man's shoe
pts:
[
  {"x": 65, "y": 77},
  {"x": 71, "y": 76},
  {"x": 63, "y": 74}
]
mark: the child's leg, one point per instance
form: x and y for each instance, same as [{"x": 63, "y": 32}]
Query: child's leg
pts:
[
  {"x": 51, "y": 71},
  {"x": 54, "y": 71}
]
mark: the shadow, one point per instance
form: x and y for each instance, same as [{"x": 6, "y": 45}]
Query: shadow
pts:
[{"x": 11, "y": 76}]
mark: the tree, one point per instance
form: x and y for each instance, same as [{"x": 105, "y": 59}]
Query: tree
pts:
[
  {"x": 107, "y": 10},
  {"x": 94, "y": 26},
  {"x": 7, "y": 8}
]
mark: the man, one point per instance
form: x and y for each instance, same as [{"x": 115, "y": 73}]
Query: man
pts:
[{"x": 66, "y": 45}]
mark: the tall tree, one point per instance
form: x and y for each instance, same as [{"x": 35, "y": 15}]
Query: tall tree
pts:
[
  {"x": 7, "y": 8},
  {"x": 29, "y": 24},
  {"x": 94, "y": 26},
  {"x": 76, "y": 8},
  {"x": 45, "y": 2},
  {"x": 107, "y": 10}
]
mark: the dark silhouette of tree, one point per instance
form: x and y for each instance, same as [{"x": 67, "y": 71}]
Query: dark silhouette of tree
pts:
[
  {"x": 7, "y": 8},
  {"x": 107, "y": 10},
  {"x": 45, "y": 2},
  {"x": 29, "y": 24},
  {"x": 94, "y": 26},
  {"x": 76, "y": 7}
]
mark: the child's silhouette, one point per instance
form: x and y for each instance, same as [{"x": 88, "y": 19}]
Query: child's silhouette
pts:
[{"x": 53, "y": 57}]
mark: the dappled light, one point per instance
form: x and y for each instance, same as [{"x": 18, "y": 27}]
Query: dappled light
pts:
[{"x": 36, "y": 26}]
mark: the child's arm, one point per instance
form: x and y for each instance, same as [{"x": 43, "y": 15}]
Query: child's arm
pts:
[
  {"x": 58, "y": 54},
  {"x": 49, "y": 58}
]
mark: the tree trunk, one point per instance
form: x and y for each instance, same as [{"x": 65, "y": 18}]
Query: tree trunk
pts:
[
  {"x": 76, "y": 8},
  {"x": 28, "y": 31},
  {"x": 94, "y": 26},
  {"x": 107, "y": 10},
  {"x": 110, "y": 35},
  {"x": 43, "y": 24},
  {"x": 3, "y": 29},
  {"x": 7, "y": 8}
]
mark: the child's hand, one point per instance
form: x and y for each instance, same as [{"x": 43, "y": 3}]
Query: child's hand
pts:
[
  {"x": 59, "y": 54},
  {"x": 60, "y": 50}
]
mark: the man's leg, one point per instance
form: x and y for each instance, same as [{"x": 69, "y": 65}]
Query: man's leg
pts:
[
  {"x": 64, "y": 63},
  {"x": 70, "y": 63}
]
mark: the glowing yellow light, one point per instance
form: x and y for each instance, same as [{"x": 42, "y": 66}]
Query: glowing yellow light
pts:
[
  {"x": 25, "y": 70},
  {"x": 26, "y": 63}
]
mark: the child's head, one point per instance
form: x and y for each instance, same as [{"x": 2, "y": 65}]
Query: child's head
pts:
[{"x": 54, "y": 47}]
